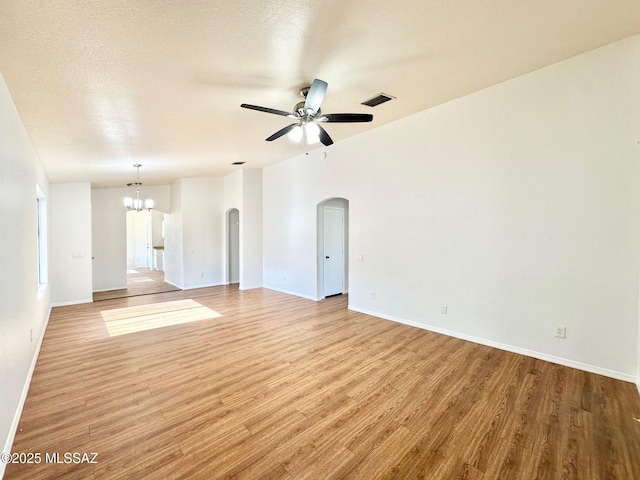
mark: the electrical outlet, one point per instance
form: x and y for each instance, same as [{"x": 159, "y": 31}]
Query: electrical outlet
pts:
[
  {"x": 373, "y": 295},
  {"x": 31, "y": 335},
  {"x": 561, "y": 332},
  {"x": 443, "y": 309},
  {"x": 202, "y": 275}
]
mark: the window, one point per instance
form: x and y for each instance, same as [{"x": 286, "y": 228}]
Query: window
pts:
[{"x": 41, "y": 213}]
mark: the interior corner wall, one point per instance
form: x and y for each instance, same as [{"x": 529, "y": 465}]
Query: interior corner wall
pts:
[
  {"x": 23, "y": 311},
  {"x": 70, "y": 227},
  {"x": 516, "y": 206}
]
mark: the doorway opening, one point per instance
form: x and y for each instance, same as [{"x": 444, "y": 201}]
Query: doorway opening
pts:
[
  {"x": 333, "y": 247},
  {"x": 145, "y": 257},
  {"x": 233, "y": 246}
]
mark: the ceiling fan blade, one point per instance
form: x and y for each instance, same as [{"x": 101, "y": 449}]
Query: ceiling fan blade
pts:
[
  {"x": 282, "y": 132},
  {"x": 324, "y": 137},
  {"x": 266, "y": 110},
  {"x": 315, "y": 95},
  {"x": 346, "y": 117}
]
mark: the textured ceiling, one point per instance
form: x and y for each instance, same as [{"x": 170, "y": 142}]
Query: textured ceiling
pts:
[{"x": 103, "y": 85}]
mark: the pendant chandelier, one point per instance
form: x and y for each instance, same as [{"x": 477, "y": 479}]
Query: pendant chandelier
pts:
[{"x": 137, "y": 203}]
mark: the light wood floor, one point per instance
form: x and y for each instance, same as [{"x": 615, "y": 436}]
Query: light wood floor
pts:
[
  {"x": 279, "y": 387},
  {"x": 143, "y": 282}
]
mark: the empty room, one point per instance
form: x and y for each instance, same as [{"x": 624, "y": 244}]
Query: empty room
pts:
[{"x": 320, "y": 240}]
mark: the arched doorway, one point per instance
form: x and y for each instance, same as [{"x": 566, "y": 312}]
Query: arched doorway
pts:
[
  {"x": 233, "y": 246},
  {"x": 333, "y": 247}
]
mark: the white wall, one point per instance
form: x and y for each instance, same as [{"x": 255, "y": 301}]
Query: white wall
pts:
[
  {"x": 251, "y": 230},
  {"x": 130, "y": 229},
  {"x": 156, "y": 223},
  {"x": 243, "y": 191},
  {"x": 203, "y": 224},
  {"x": 232, "y": 185},
  {"x": 173, "y": 258},
  {"x": 291, "y": 193},
  {"x": 23, "y": 312},
  {"x": 70, "y": 228},
  {"x": 517, "y": 207},
  {"x": 109, "y": 236},
  {"x": 194, "y": 243}
]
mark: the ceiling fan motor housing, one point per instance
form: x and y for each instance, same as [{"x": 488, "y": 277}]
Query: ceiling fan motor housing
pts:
[{"x": 299, "y": 109}]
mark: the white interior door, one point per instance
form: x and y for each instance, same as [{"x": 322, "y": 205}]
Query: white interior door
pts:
[
  {"x": 149, "y": 245},
  {"x": 333, "y": 251}
]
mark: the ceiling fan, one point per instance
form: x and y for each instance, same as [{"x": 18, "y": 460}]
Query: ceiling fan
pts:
[{"x": 309, "y": 116}]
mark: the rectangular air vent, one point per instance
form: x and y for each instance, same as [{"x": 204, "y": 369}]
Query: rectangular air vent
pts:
[{"x": 378, "y": 99}]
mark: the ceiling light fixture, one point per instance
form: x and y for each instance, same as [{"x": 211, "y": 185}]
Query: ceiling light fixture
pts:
[
  {"x": 312, "y": 131},
  {"x": 296, "y": 134},
  {"x": 137, "y": 203},
  {"x": 309, "y": 132}
]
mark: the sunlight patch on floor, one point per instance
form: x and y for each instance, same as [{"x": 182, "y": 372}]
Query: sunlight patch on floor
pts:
[
  {"x": 121, "y": 321},
  {"x": 132, "y": 271}
]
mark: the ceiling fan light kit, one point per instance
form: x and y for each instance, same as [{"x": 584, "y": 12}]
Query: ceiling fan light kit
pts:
[{"x": 309, "y": 117}]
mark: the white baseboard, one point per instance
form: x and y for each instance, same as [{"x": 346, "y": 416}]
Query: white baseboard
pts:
[
  {"x": 503, "y": 346},
  {"x": 73, "y": 302},
  {"x": 174, "y": 284},
  {"x": 202, "y": 285},
  {"x": 23, "y": 398},
  {"x": 295, "y": 294}
]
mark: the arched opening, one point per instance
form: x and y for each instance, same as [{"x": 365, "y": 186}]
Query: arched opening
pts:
[
  {"x": 333, "y": 247},
  {"x": 233, "y": 246}
]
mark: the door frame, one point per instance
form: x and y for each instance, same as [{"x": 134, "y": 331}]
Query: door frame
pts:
[{"x": 343, "y": 204}]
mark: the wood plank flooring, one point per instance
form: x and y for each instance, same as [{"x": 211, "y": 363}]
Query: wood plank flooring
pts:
[
  {"x": 280, "y": 387},
  {"x": 140, "y": 281}
]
